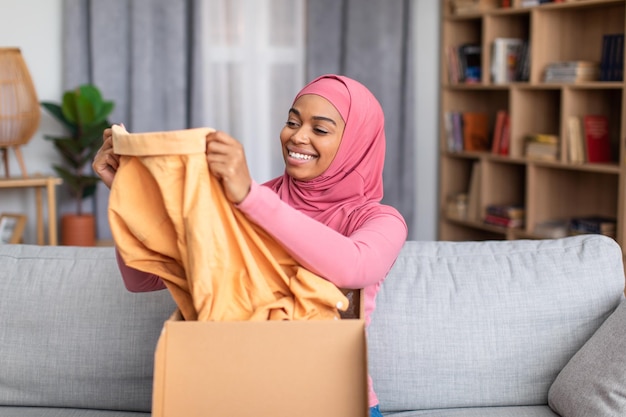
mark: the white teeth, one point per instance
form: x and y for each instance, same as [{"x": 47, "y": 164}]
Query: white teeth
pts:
[{"x": 300, "y": 156}]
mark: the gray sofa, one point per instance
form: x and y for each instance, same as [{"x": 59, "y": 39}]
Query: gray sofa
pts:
[{"x": 499, "y": 328}]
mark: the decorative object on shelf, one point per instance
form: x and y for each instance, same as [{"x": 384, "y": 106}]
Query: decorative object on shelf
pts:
[
  {"x": 12, "y": 227},
  {"x": 83, "y": 112},
  {"x": 19, "y": 106}
]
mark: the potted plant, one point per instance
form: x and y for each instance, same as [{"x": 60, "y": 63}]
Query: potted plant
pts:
[{"x": 83, "y": 112}]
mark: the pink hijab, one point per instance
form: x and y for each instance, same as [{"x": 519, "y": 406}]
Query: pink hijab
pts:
[{"x": 350, "y": 190}]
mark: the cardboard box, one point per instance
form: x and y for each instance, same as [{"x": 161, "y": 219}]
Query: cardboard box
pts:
[{"x": 270, "y": 368}]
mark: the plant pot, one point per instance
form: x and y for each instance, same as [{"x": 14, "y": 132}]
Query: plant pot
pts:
[{"x": 78, "y": 230}]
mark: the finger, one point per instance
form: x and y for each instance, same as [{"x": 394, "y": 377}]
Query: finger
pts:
[{"x": 113, "y": 161}]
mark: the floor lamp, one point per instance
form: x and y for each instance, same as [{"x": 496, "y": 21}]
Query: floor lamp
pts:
[{"x": 19, "y": 106}]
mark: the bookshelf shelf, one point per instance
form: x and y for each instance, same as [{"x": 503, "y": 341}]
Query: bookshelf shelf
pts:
[{"x": 549, "y": 189}]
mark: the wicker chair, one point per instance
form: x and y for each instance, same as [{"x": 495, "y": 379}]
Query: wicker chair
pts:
[{"x": 19, "y": 106}]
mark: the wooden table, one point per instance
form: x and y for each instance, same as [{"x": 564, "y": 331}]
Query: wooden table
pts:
[{"x": 39, "y": 183}]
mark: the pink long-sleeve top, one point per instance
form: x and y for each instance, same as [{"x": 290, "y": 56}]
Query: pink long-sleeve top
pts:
[{"x": 361, "y": 260}]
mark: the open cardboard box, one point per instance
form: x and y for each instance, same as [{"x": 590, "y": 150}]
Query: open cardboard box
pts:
[{"x": 269, "y": 368}]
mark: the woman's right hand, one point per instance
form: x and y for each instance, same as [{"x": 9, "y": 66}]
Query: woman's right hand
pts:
[{"x": 105, "y": 163}]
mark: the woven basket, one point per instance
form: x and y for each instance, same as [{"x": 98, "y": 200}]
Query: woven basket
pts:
[{"x": 19, "y": 106}]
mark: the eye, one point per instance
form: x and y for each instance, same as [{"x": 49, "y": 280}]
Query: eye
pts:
[
  {"x": 291, "y": 123},
  {"x": 320, "y": 130}
]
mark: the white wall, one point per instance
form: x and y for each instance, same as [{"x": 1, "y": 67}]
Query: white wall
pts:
[
  {"x": 426, "y": 15},
  {"x": 35, "y": 27}
]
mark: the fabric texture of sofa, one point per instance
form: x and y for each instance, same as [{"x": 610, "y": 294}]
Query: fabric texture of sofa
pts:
[{"x": 498, "y": 328}]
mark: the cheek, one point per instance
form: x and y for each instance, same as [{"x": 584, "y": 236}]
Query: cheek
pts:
[{"x": 284, "y": 136}]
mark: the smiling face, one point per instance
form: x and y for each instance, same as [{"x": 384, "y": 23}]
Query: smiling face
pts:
[{"x": 311, "y": 137}]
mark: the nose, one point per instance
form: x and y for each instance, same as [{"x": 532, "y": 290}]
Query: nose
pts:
[{"x": 300, "y": 136}]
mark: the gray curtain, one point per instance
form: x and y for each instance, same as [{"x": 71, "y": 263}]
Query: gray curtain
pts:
[
  {"x": 145, "y": 55},
  {"x": 370, "y": 41}
]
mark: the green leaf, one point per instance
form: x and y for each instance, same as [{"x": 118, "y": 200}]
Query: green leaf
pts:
[{"x": 84, "y": 113}]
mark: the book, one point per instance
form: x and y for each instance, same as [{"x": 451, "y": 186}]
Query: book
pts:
[
  {"x": 448, "y": 126},
  {"x": 454, "y": 76},
  {"x": 497, "y": 131},
  {"x": 575, "y": 143},
  {"x": 457, "y": 130},
  {"x": 503, "y": 221},
  {"x": 616, "y": 66},
  {"x": 476, "y": 131},
  {"x": 473, "y": 194},
  {"x": 596, "y": 134},
  {"x": 523, "y": 65},
  {"x": 505, "y": 140}
]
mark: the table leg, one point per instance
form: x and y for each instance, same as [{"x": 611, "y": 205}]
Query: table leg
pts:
[
  {"x": 52, "y": 214},
  {"x": 39, "y": 200}
]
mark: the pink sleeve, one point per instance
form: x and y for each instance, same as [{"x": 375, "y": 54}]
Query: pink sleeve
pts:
[
  {"x": 138, "y": 281},
  {"x": 355, "y": 261}
]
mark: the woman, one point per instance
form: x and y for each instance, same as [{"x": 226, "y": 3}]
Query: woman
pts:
[{"x": 325, "y": 209}]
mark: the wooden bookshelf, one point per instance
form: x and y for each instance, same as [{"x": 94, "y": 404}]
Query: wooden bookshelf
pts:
[{"x": 548, "y": 189}]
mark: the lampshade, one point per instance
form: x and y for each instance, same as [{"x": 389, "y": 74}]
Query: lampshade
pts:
[{"x": 19, "y": 106}]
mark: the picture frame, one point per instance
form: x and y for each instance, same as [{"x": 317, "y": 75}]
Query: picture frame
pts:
[{"x": 12, "y": 227}]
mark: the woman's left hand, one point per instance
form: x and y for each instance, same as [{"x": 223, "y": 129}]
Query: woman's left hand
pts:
[{"x": 227, "y": 161}]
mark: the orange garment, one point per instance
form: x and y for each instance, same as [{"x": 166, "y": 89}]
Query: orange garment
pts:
[{"x": 169, "y": 217}]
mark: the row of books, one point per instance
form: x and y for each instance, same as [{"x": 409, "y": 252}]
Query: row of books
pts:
[
  {"x": 505, "y": 215},
  {"x": 467, "y": 131},
  {"x": 470, "y": 131},
  {"x": 572, "y": 72},
  {"x": 557, "y": 228},
  {"x": 612, "y": 60},
  {"x": 513, "y": 215},
  {"x": 542, "y": 146},
  {"x": 464, "y": 63},
  {"x": 461, "y": 7},
  {"x": 588, "y": 139},
  {"x": 510, "y": 60}
]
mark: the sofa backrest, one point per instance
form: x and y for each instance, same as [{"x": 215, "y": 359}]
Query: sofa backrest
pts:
[
  {"x": 71, "y": 334},
  {"x": 471, "y": 324}
]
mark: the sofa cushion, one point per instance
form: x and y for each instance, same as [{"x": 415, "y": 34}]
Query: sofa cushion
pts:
[
  {"x": 520, "y": 411},
  {"x": 593, "y": 383},
  {"x": 475, "y": 324},
  {"x": 71, "y": 334},
  {"x": 65, "y": 412}
]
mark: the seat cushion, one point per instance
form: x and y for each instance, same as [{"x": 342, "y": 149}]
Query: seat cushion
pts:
[
  {"x": 478, "y": 324},
  {"x": 71, "y": 334}
]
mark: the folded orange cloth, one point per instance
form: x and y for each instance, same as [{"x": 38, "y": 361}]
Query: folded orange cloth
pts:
[{"x": 169, "y": 216}]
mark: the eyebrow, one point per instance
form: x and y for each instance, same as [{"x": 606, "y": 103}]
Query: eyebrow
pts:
[{"x": 328, "y": 119}]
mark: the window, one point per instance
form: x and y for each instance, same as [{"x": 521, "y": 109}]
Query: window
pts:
[{"x": 253, "y": 67}]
